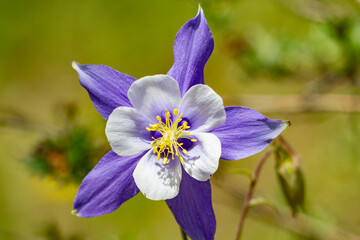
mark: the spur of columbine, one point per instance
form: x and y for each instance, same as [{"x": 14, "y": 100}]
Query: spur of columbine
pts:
[{"x": 167, "y": 134}]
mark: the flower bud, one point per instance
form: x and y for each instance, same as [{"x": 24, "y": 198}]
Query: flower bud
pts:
[{"x": 290, "y": 177}]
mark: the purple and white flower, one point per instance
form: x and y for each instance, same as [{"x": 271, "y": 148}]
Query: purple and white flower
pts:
[{"x": 167, "y": 134}]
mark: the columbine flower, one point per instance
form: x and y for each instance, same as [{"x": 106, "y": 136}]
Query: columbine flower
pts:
[{"x": 167, "y": 133}]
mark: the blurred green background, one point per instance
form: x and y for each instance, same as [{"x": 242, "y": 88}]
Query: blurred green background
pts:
[{"x": 289, "y": 59}]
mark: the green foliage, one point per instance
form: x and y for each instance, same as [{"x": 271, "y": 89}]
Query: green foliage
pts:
[
  {"x": 262, "y": 52},
  {"x": 327, "y": 50},
  {"x": 67, "y": 155}
]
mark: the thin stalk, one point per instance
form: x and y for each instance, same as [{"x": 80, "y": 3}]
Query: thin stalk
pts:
[{"x": 246, "y": 204}]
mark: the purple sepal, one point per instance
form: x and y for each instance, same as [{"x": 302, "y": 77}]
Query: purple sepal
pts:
[
  {"x": 192, "y": 208},
  {"x": 107, "y": 87},
  {"x": 107, "y": 186},
  {"x": 193, "y": 46},
  {"x": 246, "y": 132}
]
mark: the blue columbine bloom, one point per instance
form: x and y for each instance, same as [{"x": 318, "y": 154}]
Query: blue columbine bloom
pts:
[{"x": 167, "y": 134}]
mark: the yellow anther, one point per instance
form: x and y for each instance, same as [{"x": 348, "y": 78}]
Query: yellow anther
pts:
[
  {"x": 193, "y": 140},
  {"x": 170, "y": 131}
]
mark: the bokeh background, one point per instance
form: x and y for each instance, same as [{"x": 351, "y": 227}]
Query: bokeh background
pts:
[{"x": 289, "y": 59}]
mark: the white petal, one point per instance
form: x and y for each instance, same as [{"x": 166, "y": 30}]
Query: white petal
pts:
[
  {"x": 203, "y": 108},
  {"x": 126, "y": 131},
  {"x": 153, "y": 95},
  {"x": 156, "y": 180},
  {"x": 202, "y": 159}
]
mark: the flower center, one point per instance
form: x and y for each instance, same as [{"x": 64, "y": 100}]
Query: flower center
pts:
[{"x": 168, "y": 143}]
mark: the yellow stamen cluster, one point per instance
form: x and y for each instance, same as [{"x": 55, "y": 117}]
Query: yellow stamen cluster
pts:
[{"x": 167, "y": 144}]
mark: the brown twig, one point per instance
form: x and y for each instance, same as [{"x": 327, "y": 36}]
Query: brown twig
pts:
[{"x": 246, "y": 204}]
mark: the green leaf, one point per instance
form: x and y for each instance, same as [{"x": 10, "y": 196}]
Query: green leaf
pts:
[
  {"x": 263, "y": 201},
  {"x": 243, "y": 171}
]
